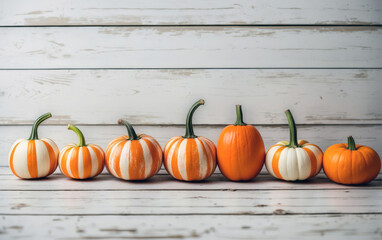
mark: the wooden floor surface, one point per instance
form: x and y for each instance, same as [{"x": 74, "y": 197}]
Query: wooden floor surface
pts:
[
  {"x": 90, "y": 63},
  {"x": 265, "y": 208}
]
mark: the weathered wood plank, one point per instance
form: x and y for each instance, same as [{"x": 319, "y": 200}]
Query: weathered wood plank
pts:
[
  {"x": 323, "y": 136},
  {"x": 4, "y": 170},
  {"x": 262, "y": 202},
  {"x": 315, "y": 96},
  {"x": 164, "y": 182},
  {"x": 192, "y": 227},
  {"x": 189, "y": 12},
  {"x": 191, "y": 47}
]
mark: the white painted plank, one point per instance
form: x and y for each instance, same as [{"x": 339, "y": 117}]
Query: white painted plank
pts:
[
  {"x": 217, "y": 182},
  {"x": 323, "y": 136},
  {"x": 191, "y": 47},
  {"x": 5, "y": 170},
  {"x": 315, "y": 96},
  {"x": 189, "y": 12},
  {"x": 262, "y": 202},
  {"x": 192, "y": 227}
]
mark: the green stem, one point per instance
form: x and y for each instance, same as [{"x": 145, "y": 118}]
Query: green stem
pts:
[
  {"x": 36, "y": 123},
  {"x": 81, "y": 138},
  {"x": 130, "y": 130},
  {"x": 292, "y": 129},
  {"x": 189, "y": 128},
  {"x": 239, "y": 116},
  {"x": 351, "y": 143}
]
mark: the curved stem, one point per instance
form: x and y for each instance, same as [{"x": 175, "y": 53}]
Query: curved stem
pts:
[
  {"x": 292, "y": 129},
  {"x": 239, "y": 116},
  {"x": 189, "y": 128},
  {"x": 81, "y": 138},
  {"x": 351, "y": 143},
  {"x": 130, "y": 130},
  {"x": 36, "y": 123}
]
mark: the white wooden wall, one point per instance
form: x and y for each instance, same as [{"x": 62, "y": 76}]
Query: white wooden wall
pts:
[{"x": 92, "y": 62}]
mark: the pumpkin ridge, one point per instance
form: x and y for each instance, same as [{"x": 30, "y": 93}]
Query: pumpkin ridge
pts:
[
  {"x": 313, "y": 161},
  {"x": 205, "y": 155},
  {"x": 174, "y": 159},
  {"x": 87, "y": 162},
  {"x": 364, "y": 158},
  {"x": 52, "y": 157},
  {"x": 32, "y": 159},
  {"x": 275, "y": 162},
  {"x": 11, "y": 159}
]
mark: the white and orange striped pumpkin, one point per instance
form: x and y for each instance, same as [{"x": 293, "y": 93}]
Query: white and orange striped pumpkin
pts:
[
  {"x": 133, "y": 157},
  {"x": 33, "y": 157},
  {"x": 190, "y": 158},
  {"x": 294, "y": 160},
  {"x": 81, "y": 161}
]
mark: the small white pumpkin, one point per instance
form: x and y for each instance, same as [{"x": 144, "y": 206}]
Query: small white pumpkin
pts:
[
  {"x": 294, "y": 160},
  {"x": 33, "y": 157}
]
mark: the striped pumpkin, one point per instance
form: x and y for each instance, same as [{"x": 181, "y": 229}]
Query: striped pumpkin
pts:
[
  {"x": 81, "y": 161},
  {"x": 190, "y": 158},
  {"x": 293, "y": 160},
  {"x": 133, "y": 157},
  {"x": 33, "y": 157}
]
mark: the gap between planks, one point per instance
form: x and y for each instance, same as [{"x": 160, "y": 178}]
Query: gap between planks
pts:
[
  {"x": 194, "y": 25},
  {"x": 191, "y": 68},
  {"x": 195, "y": 214}
]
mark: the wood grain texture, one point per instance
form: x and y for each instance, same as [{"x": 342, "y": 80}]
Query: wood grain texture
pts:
[
  {"x": 60, "y": 55},
  {"x": 164, "y": 182},
  {"x": 191, "y": 47},
  {"x": 261, "y": 202},
  {"x": 189, "y": 12},
  {"x": 315, "y": 96},
  {"x": 323, "y": 136},
  {"x": 360, "y": 226}
]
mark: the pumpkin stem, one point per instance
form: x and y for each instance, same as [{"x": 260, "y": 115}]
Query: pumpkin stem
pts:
[
  {"x": 81, "y": 138},
  {"x": 351, "y": 143},
  {"x": 130, "y": 130},
  {"x": 239, "y": 116},
  {"x": 292, "y": 130},
  {"x": 36, "y": 123},
  {"x": 189, "y": 128}
]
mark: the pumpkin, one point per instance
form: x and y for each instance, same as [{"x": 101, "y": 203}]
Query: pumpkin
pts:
[
  {"x": 293, "y": 160},
  {"x": 351, "y": 163},
  {"x": 81, "y": 161},
  {"x": 190, "y": 158},
  {"x": 34, "y": 158},
  {"x": 132, "y": 156},
  {"x": 240, "y": 150}
]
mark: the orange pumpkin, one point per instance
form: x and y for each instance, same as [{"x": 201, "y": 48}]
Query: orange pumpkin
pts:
[
  {"x": 133, "y": 157},
  {"x": 190, "y": 158},
  {"x": 351, "y": 163},
  {"x": 240, "y": 150},
  {"x": 81, "y": 161}
]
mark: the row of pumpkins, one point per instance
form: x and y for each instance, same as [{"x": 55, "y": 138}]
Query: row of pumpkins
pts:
[{"x": 240, "y": 155}]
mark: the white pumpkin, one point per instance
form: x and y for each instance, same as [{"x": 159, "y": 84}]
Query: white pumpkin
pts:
[
  {"x": 33, "y": 157},
  {"x": 294, "y": 160}
]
